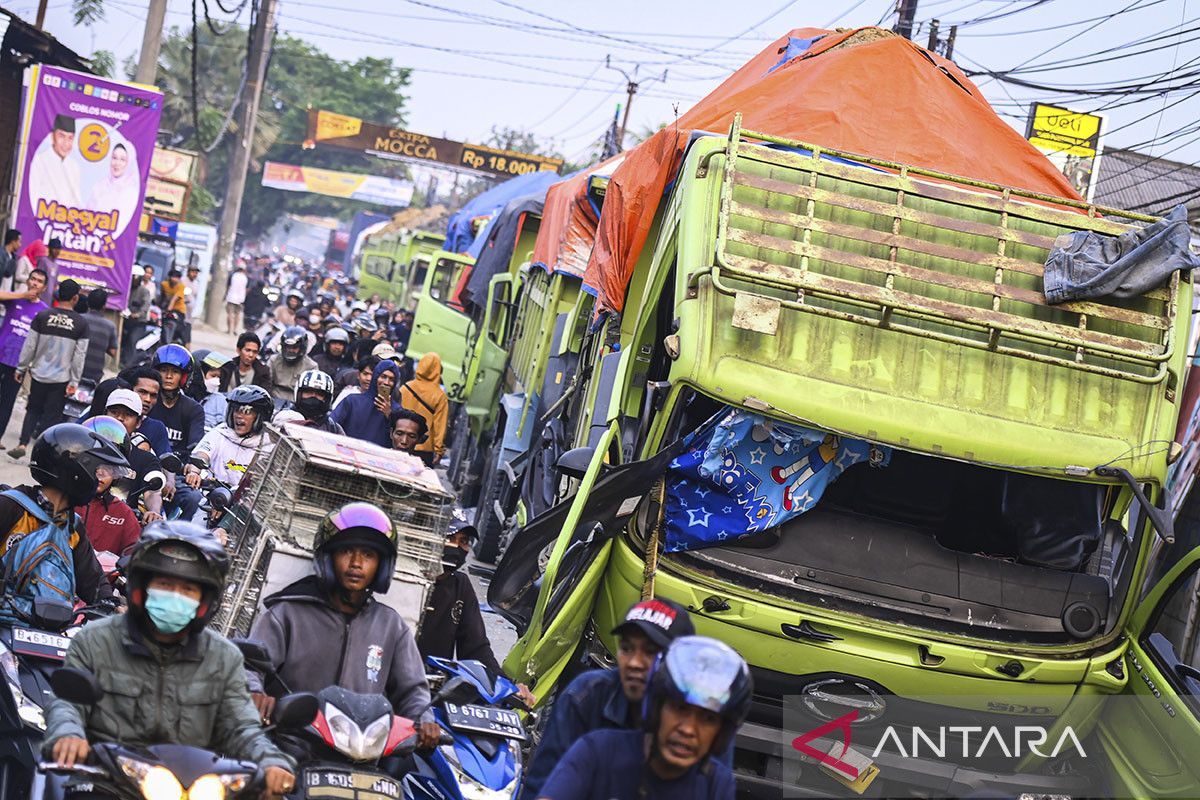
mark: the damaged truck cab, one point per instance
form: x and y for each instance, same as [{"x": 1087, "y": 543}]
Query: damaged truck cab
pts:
[{"x": 995, "y": 567}]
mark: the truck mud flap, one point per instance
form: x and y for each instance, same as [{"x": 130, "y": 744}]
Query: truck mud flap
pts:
[{"x": 514, "y": 588}]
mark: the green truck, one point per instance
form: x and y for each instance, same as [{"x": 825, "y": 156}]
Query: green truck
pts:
[
  {"x": 880, "y": 302},
  {"x": 392, "y": 262},
  {"x": 542, "y": 315}
]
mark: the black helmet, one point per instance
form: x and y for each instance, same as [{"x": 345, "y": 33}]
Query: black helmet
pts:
[
  {"x": 355, "y": 524},
  {"x": 179, "y": 550},
  {"x": 293, "y": 343},
  {"x": 66, "y": 457},
  {"x": 701, "y": 672},
  {"x": 254, "y": 396}
]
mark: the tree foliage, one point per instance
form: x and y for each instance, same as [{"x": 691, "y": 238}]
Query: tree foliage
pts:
[{"x": 300, "y": 75}]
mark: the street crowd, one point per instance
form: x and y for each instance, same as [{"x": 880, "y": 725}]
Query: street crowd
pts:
[{"x": 175, "y": 423}]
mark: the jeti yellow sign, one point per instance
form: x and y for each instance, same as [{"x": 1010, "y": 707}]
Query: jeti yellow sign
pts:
[{"x": 1060, "y": 130}]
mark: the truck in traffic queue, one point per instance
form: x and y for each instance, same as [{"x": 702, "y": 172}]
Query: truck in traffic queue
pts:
[
  {"x": 1000, "y": 557},
  {"x": 392, "y": 260},
  {"x": 514, "y": 455}
]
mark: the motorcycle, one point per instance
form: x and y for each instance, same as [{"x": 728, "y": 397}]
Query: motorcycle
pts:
[
  {"x": 79, "y": 403},
  {"x": 483, "y": 757},
  {"x": 146, "y": 339},
  {"x": 340, "y": 752},
  {"x": 28, "y": 656},
  {"x": 166, "y": 770}
]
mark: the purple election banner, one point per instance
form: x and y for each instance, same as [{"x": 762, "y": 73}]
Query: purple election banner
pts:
[{"x": 84, "y": 155}]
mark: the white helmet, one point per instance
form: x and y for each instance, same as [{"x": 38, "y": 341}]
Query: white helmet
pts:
[{"x": 314, "y": 379}]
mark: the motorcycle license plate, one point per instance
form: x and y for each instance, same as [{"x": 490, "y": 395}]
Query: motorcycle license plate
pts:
[
  {"x": 345, "y": 785},
  {"x": 28, "y": 642},
  {"x": 484, "y": 719}
]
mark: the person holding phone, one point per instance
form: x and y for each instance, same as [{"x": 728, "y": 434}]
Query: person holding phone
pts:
[{"x": 367, "y": 416}]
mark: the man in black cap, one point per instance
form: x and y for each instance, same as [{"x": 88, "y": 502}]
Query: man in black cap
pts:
[
  {"x": 53, "y": 175},
  {"x": 608, "y": 698}
]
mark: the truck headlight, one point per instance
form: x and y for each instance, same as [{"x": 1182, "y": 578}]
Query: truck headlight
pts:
[{"x": 29, "y": 711}]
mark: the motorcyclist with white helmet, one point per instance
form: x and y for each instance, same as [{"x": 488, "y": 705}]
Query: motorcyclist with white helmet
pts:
[{"x": 314, "y": 396}]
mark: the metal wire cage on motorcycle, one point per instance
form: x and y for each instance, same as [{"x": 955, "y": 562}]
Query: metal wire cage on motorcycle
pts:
[{"x": 299, "y": 477}]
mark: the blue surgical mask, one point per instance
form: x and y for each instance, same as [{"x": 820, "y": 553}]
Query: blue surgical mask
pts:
[{"x": 170, "y": 612}]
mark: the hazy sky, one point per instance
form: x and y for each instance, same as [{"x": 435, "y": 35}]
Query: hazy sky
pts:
[{"x": 539, "y": 64}]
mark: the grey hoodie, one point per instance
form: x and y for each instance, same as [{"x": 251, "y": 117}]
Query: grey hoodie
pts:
[{"x": 312, "y": 646}]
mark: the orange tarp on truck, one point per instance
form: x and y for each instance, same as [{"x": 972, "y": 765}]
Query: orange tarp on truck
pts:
[
  {"x": 877, "y": 94},
  {"x": 568, "y": 226}
]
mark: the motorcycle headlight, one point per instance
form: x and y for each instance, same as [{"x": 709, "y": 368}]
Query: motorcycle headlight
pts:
[
  {"x": 471, "y": 789},
  {"x": 354, "y": 742},
  {"x": 215, "y": 787},
  {"x": 30, "y": 712},
  {"x": 155, "y": 782}
]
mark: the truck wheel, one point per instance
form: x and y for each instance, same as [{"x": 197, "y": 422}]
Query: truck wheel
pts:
[{"x": 489, "y": 526}]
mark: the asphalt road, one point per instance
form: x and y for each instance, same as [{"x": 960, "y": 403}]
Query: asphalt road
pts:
[{"x": 15, "y": 472}]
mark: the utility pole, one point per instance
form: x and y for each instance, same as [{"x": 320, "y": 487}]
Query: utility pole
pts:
[
  {"x": 908, "y": 12},
  {"x": 933, "y": 35},
  {"x": 41, "y": 14},
  {"x": 151, "y": 42},
  {"x": 950, "y": 42},
  {"x": 631, "y": 88},
  {"x": 239, "y": 161}
]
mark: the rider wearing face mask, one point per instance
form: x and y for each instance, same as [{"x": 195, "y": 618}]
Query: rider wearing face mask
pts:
[
  {"x": 314, "y": 395},
  {"x": 212, "y": 400},
  {"x": 168, "y": 679},
  {"x": 453, "y": 625}
]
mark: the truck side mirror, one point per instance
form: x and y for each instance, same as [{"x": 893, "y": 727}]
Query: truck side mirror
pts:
[{"x": 574, "y": 463}]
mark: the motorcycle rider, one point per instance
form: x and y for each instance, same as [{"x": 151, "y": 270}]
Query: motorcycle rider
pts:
[
  {"x": 181, "y": 415},
  {"x": 608, "y": 698},
  {"x": 64, "y": 461},
  {"x": 314, "y": 395},
  {"x": 333, "y": 357},
  {"x": 168, "y": 678},
  {"x": 125, "y": 406},
  {"x": 286, "y": 313},
  {"x": 698, "y": 696},
  {"x": 228, "y": 449},
  {"x": 213, "y": 401},
  {"x": 107, "y": 520},
  {"x": 453, "y": 625},
  {"x": 354, "y": 557},
  {"x": 291, "y": 360}
]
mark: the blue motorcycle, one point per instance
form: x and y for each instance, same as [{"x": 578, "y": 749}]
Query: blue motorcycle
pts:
[{"x": 483, "y": 762}]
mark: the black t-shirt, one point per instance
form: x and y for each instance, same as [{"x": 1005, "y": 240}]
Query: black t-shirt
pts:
[
  {"x": 142, "y": 462},
  {"x": 184, "y": 422},
  {"x": 453, "y": 625}
]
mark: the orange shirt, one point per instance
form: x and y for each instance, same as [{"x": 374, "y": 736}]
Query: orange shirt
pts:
[{"x": 176, "y": 300}]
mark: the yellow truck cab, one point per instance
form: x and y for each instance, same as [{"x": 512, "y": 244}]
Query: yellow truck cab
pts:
[{"x": 992, "y": 572}]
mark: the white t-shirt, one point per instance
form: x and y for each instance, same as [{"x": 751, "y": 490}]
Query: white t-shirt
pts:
[{"x": 237, "y": 288}]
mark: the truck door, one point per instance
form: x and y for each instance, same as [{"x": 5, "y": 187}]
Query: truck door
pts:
[
  {"x": 568, "y": 585},
  {"x": 1151, "y": 733},
  {"x": 437, "y": 328},
  {"x": 491, "y": 354}
]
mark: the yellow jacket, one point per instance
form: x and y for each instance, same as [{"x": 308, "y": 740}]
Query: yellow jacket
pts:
[{"x": 424, "y": 395}]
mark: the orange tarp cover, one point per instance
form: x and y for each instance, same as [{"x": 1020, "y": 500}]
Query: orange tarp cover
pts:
[
  {"x": 880, "y": 95},
  {"x": 568, "y": 226}
]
